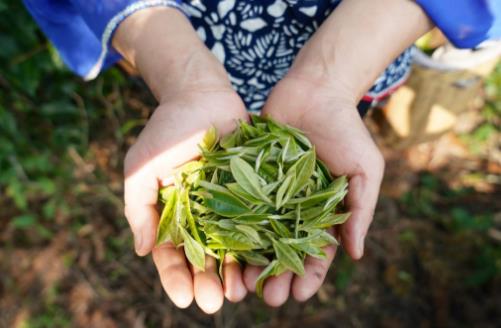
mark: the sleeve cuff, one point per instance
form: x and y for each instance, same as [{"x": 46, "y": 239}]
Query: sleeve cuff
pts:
[
  {"x": 82, "y": 30},
  {"x": 466, "y": 23},
  {"x": 108, "y": 55}
]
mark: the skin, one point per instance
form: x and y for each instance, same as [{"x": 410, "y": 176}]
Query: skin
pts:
[{"x": 318, "y": 95}]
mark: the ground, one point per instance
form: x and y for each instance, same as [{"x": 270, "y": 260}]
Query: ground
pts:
[{"x": 433, "y": 253}]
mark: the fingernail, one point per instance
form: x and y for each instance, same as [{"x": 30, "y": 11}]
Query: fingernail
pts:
[{"x": 138, "y": 242}]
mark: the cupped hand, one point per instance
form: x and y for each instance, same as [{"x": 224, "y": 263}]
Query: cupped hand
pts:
[
  {"x": 170, "y": 139},
  {"x": 332, "y": 123}
]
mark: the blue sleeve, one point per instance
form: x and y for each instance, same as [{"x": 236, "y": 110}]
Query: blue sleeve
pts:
[
  {"x": 81, "y": 30},
  {"x": 466, "y": 23}
]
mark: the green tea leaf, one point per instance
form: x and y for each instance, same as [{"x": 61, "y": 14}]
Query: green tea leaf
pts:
[
  {"x": 288, "y": 257},
  {"x": 245, "y": 196},
  {"x": 189, "y": 216},
  {"x": 303, "y": 169},
  {"x": 222, "y": 202},
  {"x": 191, "y": 173},
  {"x": 247, "y": 178},
  {"x": 327, "y": 221},
  {"x": 230, "y": 140},
  {"x": 252, "y": 218},
  {"x": 250, "y": 232},
  {"x": 234, "y": 241},
  {"x": 194, "y": 251},
  {"x": 280, "y": 229},
  {"x": 254, "y": 258},
  {"x": 167, "y": 227},
  {"x": 270, "y": 270},
  {"x": 210, "y": 139},
  {"x": 310, "y": 250},
  {"x": 283, "y": 190},
  {"x": 334, "y": 192}
]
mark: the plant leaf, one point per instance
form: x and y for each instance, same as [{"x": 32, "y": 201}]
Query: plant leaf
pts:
[
  {"x": 269, "y": 271},
  {"x": 222, "y": 201},
  {"x": 247, "y": 178},
  {"x": 284, "y": 190},
  {"x": 288, "y": 257},
  {"x": 337, "y": 189},
  {"x": 210, "y": 139},
  {"x": 194, "y": 251},
  {"x": 327, "y": 221},
  {"x": 254, "y": 258}
]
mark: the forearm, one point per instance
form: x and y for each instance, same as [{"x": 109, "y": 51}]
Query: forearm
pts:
[
  {"x": 357, "y": 42},
  {"x": 164, "y": 47}
]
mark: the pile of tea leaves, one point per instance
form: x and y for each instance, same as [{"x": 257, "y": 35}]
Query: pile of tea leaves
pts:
[{"x": 259, "y": 195}]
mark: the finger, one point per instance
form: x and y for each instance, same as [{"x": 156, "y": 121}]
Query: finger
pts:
[
  {"x": 234, "y": 288},
  {"x": 175, "y": 275},
  {"x": 276, "y": 289},
  {"x": 315, "y": 271},
  {"x": 140, "y": 195},
  {"x": 251, "y": 273},
  {"x": 361, "y": 200},
  {"x": 207, "y": 287}
]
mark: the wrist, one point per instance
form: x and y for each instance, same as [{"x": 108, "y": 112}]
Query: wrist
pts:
[
  {"x": 352, "y": 47},
  {"x": 161, "y": 43},
  {"x": 320, "y": 83}
]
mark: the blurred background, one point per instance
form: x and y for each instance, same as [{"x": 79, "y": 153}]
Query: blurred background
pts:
[{"x": 66, "y": 255}]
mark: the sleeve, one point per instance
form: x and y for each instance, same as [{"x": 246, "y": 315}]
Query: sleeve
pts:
[
  {"x": 82, "y": 30},
  {"x": 466, "y": 23}
]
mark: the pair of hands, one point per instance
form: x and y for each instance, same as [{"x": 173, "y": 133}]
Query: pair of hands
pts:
[
  {"x": 170, "y": 139},
  {"x": 318, "y": 96}
]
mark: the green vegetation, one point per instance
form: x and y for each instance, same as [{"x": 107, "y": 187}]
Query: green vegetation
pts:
[{"x": 259, "y": 195}]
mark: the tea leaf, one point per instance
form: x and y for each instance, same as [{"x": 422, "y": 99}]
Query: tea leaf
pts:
[
  {"x": 335, "y": 189},
  {"x": 288, "y": 257},
  {"x": 222, "y": 202},
  {"x": 280, "y": 229},
  {"x": 194, "y": 251},
  {"x": 310, "y": 250},
  {"x": 326, "y": 221},
  {"x": 247, "y": 179},
  {"x": 230, "y": 140},
  {"x": 254, "y": 258},
  {"x": 283, "y": 190},
  {"x": 303, "y": 168},
  {"x": 210, "y": 139},
  {"x": 251, "y": 218},
  {"x": 163, "y": 231},
  {"x": 245, "y": 196},
  {"x": 232, "y": 240},
  {"x": 250, "y": 232},
  {"x": 221, "y": 254},
  {"x": 270, "y": 270}
]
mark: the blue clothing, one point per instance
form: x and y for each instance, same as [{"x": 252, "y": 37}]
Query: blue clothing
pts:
[
  {"x": 256, "y": 40},
  {"x": 466, "y": 23}
]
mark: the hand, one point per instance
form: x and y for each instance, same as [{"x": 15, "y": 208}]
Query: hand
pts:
[
  {"x": 319, "y": 94},
  {"x": 169, "y": 140},
  {"x": 335, "y": 128},
  {"x": 194, "y": 94}
]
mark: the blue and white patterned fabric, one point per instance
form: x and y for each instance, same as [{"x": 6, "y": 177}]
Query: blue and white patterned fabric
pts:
[{"x": 256, "y": 40}]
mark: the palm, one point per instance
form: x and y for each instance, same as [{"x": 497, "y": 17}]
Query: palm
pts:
[{"x": 169, "y": 140}]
